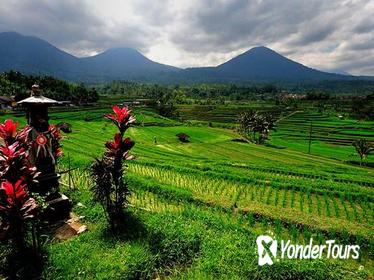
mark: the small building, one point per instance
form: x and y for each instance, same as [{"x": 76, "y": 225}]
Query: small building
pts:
[
  {"x": 6, "y": 102},
  {"x": 137, "y": 102},
  {"x": 293, "y": 96}
]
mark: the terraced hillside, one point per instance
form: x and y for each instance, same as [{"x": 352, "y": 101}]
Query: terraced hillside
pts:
[
  {"x": 227, "y": 113},
  {"x": 331, "y": 136}
]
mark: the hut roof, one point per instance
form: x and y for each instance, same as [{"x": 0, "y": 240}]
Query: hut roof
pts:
[{"x": 38, "y": 100}]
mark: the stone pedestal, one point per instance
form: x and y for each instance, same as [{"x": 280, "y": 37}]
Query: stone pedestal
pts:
[
  {"x": 43, "y": 155},
  {"x": 58, "y": 208}
]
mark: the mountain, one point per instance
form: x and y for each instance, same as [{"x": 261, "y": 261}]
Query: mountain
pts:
[
  {"x": 264, "y": 63},
  {"x": 32, "y": 55},
  {"x": 125, "y": 64},
  {"x": 260, "y": 64}
]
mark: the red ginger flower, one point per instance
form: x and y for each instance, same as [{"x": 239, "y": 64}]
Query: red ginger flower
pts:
[
  {"x": 8, "y": 153},
  {"x": 127, "y": 141},
  {"x": 8, "y": 129},
  {"x": 127, "y": 144},
  {"x": 118, "y": 143},
  {"x": 23, "y": 134},
  {"x": 114, "y": 145},
  {"x": 15, "y": 192},
  {"x": 121, "y": 117},
  {"x": 121, "y": 114}
]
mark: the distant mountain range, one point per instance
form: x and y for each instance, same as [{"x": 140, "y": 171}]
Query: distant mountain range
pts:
[{"x": 32, "y": 55}]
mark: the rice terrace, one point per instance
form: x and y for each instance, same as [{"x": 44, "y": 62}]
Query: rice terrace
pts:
[
  {"x": 201, "y": 204},
  {"x": 114, "y": 166}
]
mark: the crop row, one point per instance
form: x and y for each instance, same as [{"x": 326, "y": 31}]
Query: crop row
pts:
[
  {"x": 298, "y": 174},
  {"x": 237, "y": 194},
  {"x": 354, "y": 193},
  {"x": 151, "y": 196}
]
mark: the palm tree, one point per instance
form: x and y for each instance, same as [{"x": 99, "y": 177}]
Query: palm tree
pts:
[{"x": 363, "y": 148}]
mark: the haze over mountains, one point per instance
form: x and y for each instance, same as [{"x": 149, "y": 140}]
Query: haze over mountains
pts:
[{"x": 32, "y": 55}]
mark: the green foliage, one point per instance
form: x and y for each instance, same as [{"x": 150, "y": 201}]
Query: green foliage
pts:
[
  {"x": 15, "y": 83},
  {"x": 110, "y": 188},
  {"x": 362, "y": 107},
  {"x": 255, "y": 126},
  {"x": 164, "y": 98},
  {"x": 181, "y": 92}
]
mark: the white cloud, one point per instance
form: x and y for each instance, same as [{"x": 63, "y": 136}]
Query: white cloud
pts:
[{"x": 322, "y": 34}]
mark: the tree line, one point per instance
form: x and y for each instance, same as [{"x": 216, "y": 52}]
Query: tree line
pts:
[
  {"x": 16, "y": 84},
  {"x": 183, "y": 93}
]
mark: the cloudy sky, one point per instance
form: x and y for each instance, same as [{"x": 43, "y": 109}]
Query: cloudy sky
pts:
[{"x": 324, "y": 34}]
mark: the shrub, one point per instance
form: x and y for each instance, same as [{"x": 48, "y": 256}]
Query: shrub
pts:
[
  {"x": 16, "y": 175},
  {"x": 110, "y": 188},
  {"x": 183, "y": 137},
  {"x": 16, "y": 208},
  {"x": 64, "y": 127}
]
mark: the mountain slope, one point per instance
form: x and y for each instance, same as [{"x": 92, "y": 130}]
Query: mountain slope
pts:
[
  {"x": 35, "y": 56},
  {"x": 263, "y": 63}
]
